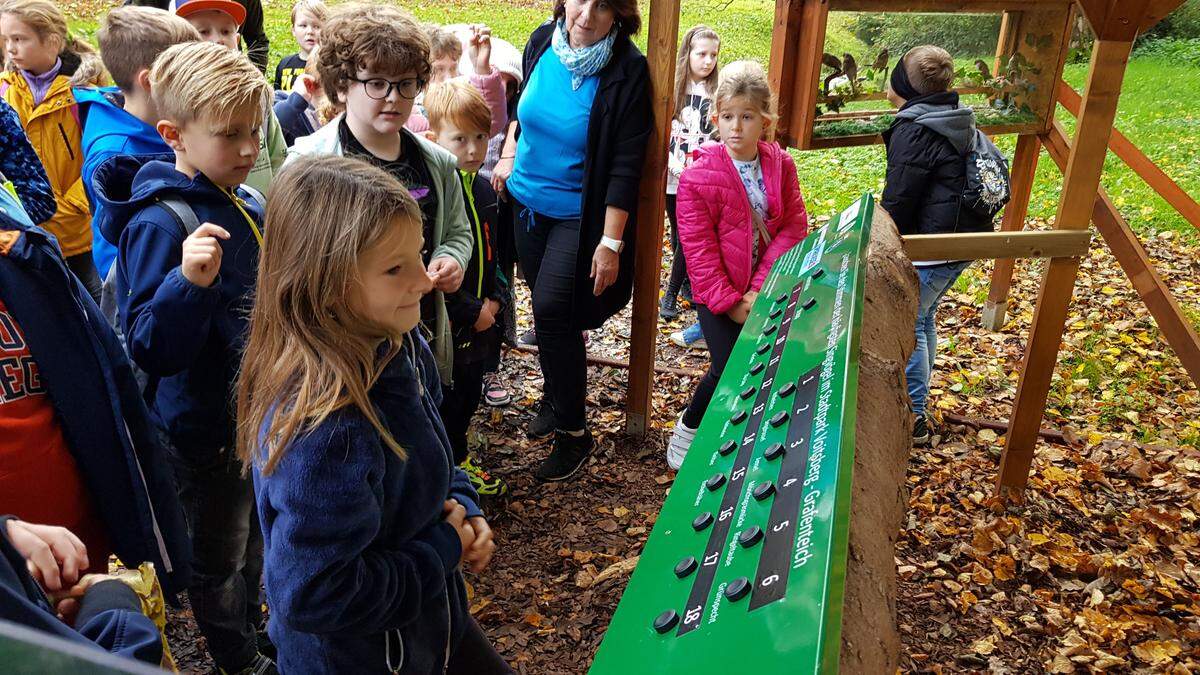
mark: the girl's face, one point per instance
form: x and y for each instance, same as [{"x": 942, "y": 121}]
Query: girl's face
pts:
[
  {"x": 24, "y": 48},
  {"x": 380, "y": 116},
  {"x": 741, "y": 125},
  {"x": 307, "y": 31},
  {"x": 391, "y": 280},
  {"x": 703, "y": 57},
  {"x": 588, "y": 21}
]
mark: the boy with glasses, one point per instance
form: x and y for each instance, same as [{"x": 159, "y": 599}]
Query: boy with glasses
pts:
[{"x": 375, "y": 61}]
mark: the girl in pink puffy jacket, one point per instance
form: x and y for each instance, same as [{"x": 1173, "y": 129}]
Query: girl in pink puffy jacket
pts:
[{"x": 739, "y": 208}]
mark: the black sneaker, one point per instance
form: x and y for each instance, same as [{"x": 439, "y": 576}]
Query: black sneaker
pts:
[
  {"x": 668, "y": 310},
  {"x": 259, "y": 665},
  {"x": 686, "y": 291},
  {"x": 544, "y": 423},
  {"x": 921, "y": 435},
  {"x": 569, "y": 454},
  {"x": 528, "y": 338}
]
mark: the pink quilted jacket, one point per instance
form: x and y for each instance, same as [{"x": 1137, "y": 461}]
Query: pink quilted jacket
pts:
[{"x": 716, "y": 229}]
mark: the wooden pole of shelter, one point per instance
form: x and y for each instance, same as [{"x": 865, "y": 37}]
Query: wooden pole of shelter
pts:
[
  {"x": 661, "y": 45},
  {"x": 1132, "y": 257},
  {"x": 1081, "y": 181},
  {"x": 1024, "y": 169}
]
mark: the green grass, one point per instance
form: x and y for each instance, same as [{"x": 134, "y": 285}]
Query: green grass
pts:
[{"x": 1157, "y": 110}]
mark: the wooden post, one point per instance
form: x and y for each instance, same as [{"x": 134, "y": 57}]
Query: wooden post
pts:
[
  {"x": 1024, "y": 168},
  {"x": 1132, "y": 257},
  {"x": 1082, "y": 179},
  {"x": 661, "y": 45}
]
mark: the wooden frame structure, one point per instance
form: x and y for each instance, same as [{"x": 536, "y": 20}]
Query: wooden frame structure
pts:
[{"x": 799, "y": 34}]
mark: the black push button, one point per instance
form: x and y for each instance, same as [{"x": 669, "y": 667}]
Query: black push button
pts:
[
  {"x": 715, "y": 483},
  {"x": 666, "y": 621},
  {"x": 787, "y": 389},
  {"x": 776, "y": 313},
  {"x": 702, "y": 521},
  {"x": 774, "y": 451},
  {"x": 781, "y": 297},
  {"x": 747, "y": 393},
  {"x": 810, "y": 303},
  {"x": 818, "y": 274},
  {"x": 764, "y": 490},
  {"x": 727, "y": 447},
  {"x": 771, "y": 329},
  {"x": 686, "y": 566},
  {"x": 737, "y": 589},
  {"x": 779, "y": 418},
  {"x": 762, "y": 349},
  {"x": 757, "y": 368},
  {"x": 739, "y": 417},
  {"x": 750, "y": 536}
]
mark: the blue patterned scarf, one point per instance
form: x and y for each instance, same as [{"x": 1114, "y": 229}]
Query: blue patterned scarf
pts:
[{"x": 584, "y": 62}]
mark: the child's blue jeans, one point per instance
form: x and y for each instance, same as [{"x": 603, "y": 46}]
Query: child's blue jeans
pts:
[{"x": 935, "y": 281}]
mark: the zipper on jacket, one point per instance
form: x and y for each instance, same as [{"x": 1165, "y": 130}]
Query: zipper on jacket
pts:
[
  {"x": 387, "y": 650},
  {"x": 468, "y": 179},
  {"x": 66, "y": 142}
]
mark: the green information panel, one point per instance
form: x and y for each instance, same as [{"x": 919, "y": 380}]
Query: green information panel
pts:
[{"x": 744, "y": 570}]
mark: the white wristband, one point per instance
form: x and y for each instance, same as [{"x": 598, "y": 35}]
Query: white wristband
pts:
[{"x": 614, "y": 245}]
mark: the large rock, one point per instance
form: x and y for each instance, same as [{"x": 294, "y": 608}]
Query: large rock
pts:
[{"x": 883, "y": 441}]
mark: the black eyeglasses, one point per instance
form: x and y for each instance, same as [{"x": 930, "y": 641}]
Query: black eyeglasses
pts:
[{"x": 379, "y": 88}]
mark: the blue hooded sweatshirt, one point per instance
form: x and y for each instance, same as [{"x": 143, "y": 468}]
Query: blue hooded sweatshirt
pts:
[
  {"x": 89, "y": 381},
  {"x": 360, "y": 566},
  {"x": 109, "y": 131},
  {"x": 187, "y": 338}
]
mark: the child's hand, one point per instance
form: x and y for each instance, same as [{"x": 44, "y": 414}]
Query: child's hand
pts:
[
  {"x": 456, "y": 515},
  {"x": 202, "y": 254},
  {"x": 740, "y": 311},
  {"x": 484, "y": 546},
  {"x": 480, "y": 49},
  {"x": 487, "y": 318},
  {"x": 750, "y": 297},
  {"x": 446, "y": 274},
  {"x": 66, "y": 602},
  {"x": 53, "y": 555},
  {"x": 305, "y": 85}
]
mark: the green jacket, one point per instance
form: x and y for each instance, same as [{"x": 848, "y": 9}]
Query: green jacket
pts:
[
  {"x": 272, "y": 150},
  {"x": 451, "y": 230}
]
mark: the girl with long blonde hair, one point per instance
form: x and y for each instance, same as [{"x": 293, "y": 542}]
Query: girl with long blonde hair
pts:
[{"x": 365, "y": 517}]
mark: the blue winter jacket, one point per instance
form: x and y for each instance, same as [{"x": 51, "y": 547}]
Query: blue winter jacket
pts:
[
  {"x": 109, "y": 131},
  {"x": 359, "y": 565},
  {"x": 187, "y": 338},
  {"x": 97, "y": 401},
  {"x": 20, "y": 164},
  {"x": 110, "y": 615}
]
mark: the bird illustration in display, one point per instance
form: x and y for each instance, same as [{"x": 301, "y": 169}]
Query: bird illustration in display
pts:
[
  {"x": 850, "y": 68},
  {"x": 983, "y": 69},
  {"x": 881, "y": 61},
  {"x": 830, "y": 61}
]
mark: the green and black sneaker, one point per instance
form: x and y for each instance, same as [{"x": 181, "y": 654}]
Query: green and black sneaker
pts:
[{"x": 485, "y": 484}]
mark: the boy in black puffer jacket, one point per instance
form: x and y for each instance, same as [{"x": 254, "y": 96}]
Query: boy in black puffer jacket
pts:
[{"x": 926, "y": 174}]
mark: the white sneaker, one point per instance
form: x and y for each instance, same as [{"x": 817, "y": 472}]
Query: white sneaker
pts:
[
  {"x": 678, "y": 339},
  {"x": 681, "y": 440}
]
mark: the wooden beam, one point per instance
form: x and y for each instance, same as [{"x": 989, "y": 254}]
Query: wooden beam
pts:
[
  {"x": 1136, "y": 263},
  {"x": 1082, "y": 179},
  {"x": 783, "y": 58},
  {"x": 952, "y": 6},
  {"x": 662, "y": 43},
  {"x": 1137, "y": 160},
  {"x": 992, "y": 245},
  {"x": 1021, "y": 175}
]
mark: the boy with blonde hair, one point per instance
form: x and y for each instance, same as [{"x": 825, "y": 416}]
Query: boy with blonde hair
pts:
[
  {"x": 189, "y": 240},
  {"x": 120, "y": 120},
  {"x": 460, "y": 121},
  {"x": 307, "y": 18}
]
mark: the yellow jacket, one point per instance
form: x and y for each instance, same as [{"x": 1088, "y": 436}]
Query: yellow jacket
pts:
[{"x": 54, "y": 132}]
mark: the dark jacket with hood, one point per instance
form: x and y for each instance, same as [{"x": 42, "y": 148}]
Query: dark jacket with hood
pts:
[
  {"x": 927, "y": 168},
  {"x": 618, "y": 131},
  {"x": 110, "y": 614},
  {"x": 187, "y": 338},
  {"x": 480, "y": 280},
  {"x": 89, "y": 381},
  {"x": 360, "y": 567}
]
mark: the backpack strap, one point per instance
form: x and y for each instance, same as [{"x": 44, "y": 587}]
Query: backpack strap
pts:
[
  {"x": 259, "y": 199},
  {"x": 183, "y": 214}
]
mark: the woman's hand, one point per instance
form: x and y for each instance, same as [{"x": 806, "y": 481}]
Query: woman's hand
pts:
[
  {"x": 446, "y": 274},
  {"x": 500, "y": 174},
  {"x": 605, "y": 263}
]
